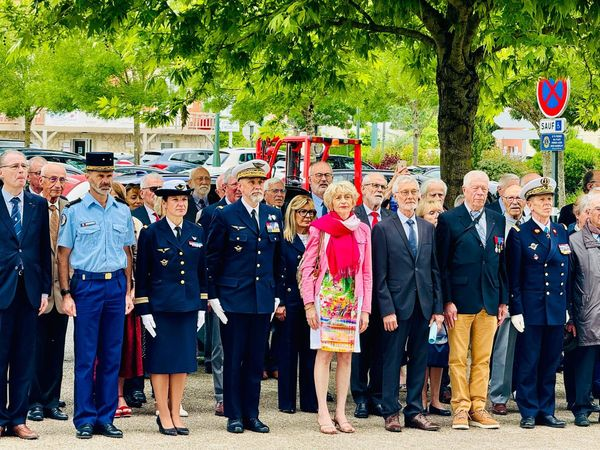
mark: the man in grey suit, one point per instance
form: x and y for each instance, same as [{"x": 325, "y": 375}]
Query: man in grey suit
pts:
[
  {"x": 407, "y": 283},
  {"x": 365, "y": 380}
]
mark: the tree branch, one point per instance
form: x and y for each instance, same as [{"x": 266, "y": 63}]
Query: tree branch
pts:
[
  {"x": 362, "y": 11},
  {"x": 376, "y": 28},
  {"x": 433, "y": 20}
]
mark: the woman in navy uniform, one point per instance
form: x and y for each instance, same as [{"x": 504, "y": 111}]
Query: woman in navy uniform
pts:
[
  {"x": 538, "y": 269},
  {"x": 295, "y": 332},
  {"x": 170, "y": 291}
]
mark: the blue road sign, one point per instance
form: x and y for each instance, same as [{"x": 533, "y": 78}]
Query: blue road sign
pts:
[{"x": 554, "y": 142}]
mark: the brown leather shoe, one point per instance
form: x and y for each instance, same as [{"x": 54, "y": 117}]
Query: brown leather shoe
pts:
[
  {"x": 22, "y": 431},
  {"x": 422, "y": 423},
  {"x": 499, "y": 409},
  {"x": 392, "y": 423},
  {"x": 219, "y": 410}
]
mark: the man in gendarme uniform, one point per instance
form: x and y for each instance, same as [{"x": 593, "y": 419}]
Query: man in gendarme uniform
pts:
[
  {"x": 244, "y": 268},
  {"x": 95, "y": 239}
]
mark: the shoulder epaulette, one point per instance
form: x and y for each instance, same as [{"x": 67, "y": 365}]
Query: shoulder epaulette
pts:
[
  {"x": 73, "y": 202},
  {"x": 220, "y": 207},
  {"x": 516, "y": 228},
  {"x": 566, "y": 228},
  {"x": 120, "y": 200}
]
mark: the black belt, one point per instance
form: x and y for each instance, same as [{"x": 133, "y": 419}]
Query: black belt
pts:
[{"x": 84, "y": 275}]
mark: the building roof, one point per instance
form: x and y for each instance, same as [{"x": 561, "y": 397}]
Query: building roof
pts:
[{"x": 515, "y": 134}]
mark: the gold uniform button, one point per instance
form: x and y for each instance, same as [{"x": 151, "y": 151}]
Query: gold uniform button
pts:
[
  {"x": 299, "y": 257},
  {"x": 561, "y": 293},
  {"x": 258, "y": 239},
  {"x": 237, "y": 238},
  {"x": 546, "y": 265},
  {"x": 258, "y": 265},
  {"x": 257, "y": 278},
  {"x": 259, "y": 252},
  {"x": 546, "y": 274},
  {"x": 182, "y": 281},
  {"x": 182, "y": 263},
  {"x": 562, "y": 264},
  {"x": 183, "y": 272},
  {"x": 562, "y": 284},
  {"x": 289, "y": 289},
  {"x": 547, "y": 293},
  {"x": 180, "y": 253},
  {"x": 562, "y": 274},
  {"x": 547, "y": 284}
]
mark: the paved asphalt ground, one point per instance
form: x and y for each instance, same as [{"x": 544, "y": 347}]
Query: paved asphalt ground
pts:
[{"x": 298, "y": 431}]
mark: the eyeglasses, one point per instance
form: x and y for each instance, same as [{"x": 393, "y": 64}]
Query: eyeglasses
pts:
[
  {"x": 38, "y": 173},
  {"x": 153, "y": 188},
  {"x": 17, "y": 166},
  {"x": 413, "y": 192},
  {"x": 277, "y": 191},
  {"x": 233, "y": 185},
  {"x": 201, "y": 179},
  {"x": 377, "y": 186},
  {"x": 512, "y": 199},
  {"x": 327, "y": 176},
  {"x": 55, "y": 179},
  {"x": 307, "y": 212}
]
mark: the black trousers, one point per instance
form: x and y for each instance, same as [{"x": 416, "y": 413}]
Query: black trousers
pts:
[
  {"x": 244, "y": 338},
  {"x": 18, "y": 326},
  {"x": 585, "y": 360},
  {"x": 367, "y": 366},
  {"x": 410, "y": 339},
  {"x": 296, "y": 362},
  {"x": 49, "y": 357}
]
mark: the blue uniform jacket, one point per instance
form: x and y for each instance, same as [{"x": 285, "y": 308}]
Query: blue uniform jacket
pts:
[
  {"x": 245, "y": 268},
  {"x": 292, "y": 254},
  {"x": 538, "y": 273},
  {"x": 170, "y": 275},
  {"x": 33, "y": 250}
]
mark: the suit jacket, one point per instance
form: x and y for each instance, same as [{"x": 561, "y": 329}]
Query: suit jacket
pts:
[
  {"x": 361, "y": 213},
  {"x": 170, "y": 274},
  {"x": 400, "y": 280},
  {"x": 566, "y": 215},
  {"x": 193, "y": 210},
  {"x": 208, "y": 213},
  {"x": 291, "y": 254},
  {"x": 495, "y": 206},
  {"x": 55, "y": 299},
  {"x": 538, "y": 273},
  {"x": 142, "y": 215},
  {"x": 363, "y": 280},
  {"x": 473, "y": 276},
  {"x": 245, "y": 270},
  {"x": 33, "y": 249}
]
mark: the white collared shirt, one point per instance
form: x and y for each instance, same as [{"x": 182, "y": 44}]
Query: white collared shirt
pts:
[
  {"x": 542, "y": 226},
  {"x": 7, "y": 199},
  {"x": 151, "y": 214},
  {"x": 172, "y": 225},
  {"x": 482, "y": 220},
  {"x": 369, "y": 211},
  {"x": 250, "y": 209},
  {"x": 406, "y": 227}
]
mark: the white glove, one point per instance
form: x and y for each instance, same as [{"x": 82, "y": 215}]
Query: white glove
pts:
[
  {"x": 215, "y": 304},
  {"x": 201, "y": 318},
  {"x": 518, "y": 322},
  {"x": 149, "y": 324},
  {"x": 276, "y": 305}
]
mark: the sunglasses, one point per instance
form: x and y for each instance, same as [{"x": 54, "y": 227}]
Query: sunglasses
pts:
[{"x": 307, "y": 212}]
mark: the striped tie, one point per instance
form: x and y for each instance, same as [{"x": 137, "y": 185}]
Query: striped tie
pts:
[
  {"x": 476, "y": 215},
  {"x": 15, "y": 216}
]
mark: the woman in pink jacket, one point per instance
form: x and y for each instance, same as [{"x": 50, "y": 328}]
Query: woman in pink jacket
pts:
[{"x": 336, "y": 289}]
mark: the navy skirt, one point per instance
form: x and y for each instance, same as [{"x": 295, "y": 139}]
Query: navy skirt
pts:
[{"x": 173, "y": 350}]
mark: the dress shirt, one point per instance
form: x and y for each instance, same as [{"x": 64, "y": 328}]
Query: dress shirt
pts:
[
  {"x": 9, "y": 206},
  {"x": 250, "y": 209},
  {"x": 151, "y": 214},
  {"x": 406, "y": 227},
  {"x": 482, "y": 221},
  {"x": 542, "y": 226},
  {"x": 318, "y": 204},
  {"x": 197, "y": 202},
  {"x": 369, "y": 211},
  {"x": 172, "y": 225}
]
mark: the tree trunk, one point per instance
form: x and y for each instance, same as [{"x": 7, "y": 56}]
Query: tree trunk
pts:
[
  {"x": 561, "y": 180},
  {"x": 28, "y": 119},
  {"x": 547, "y": 164},
  {"x": 137, "y": 139},
  {"x": 458, "y": 91},
  {"x": 416, "y": 132},
  {"x": 309, "y": 119}
]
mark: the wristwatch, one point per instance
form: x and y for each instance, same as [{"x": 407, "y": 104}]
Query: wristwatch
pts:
[{"x": 64, "y": 292}]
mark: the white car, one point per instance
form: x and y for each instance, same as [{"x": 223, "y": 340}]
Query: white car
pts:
[{"x": 230, "y": 157}]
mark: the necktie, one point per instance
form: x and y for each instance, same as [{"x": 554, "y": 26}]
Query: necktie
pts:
[
  {"x": 476, "y": 215},
  {"x": 201, "y": 204},
  {"x": 323, "y": 210},
  {"x": 15, "y": 216},
  {"x": 178, "y": 232},
  {"x": 156, "y": 218},
  {"x": 375, "y": 216},
  {"x": 412, "y": 237},
  {"x": 547, "y": 231},
  {"x": 53, "y": 225},
  {"x": 253, "y": 214}
]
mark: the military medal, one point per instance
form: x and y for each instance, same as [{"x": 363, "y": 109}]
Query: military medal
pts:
[
  {"x": 237, "y": 248},
  {"x": 564, "y": 249},
  {"x": 272, "y": 217},
  {"x": 535, "y": 256},
  {"x": 537, "y": 231},
  {"x": 195, "y": 244},
  {"x": 164, "y": 262},
  {"x": 533, "y": 246},
  {"x": 273, "y": 227},
  {"x": 498, "y": 244}
]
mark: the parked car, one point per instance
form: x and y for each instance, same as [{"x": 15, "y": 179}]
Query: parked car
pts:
[
  {"x": 73, "y": 159},
  {"x": 231, "y": 157},
  {"x": 129, "y": 169},
  {"x": 176, "y": 159},
  {"x": 10, "y": 144},
  {"x": 339, "y": 164}
]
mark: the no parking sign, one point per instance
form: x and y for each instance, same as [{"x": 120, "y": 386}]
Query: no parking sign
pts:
[{"x": 553, "y": 96}]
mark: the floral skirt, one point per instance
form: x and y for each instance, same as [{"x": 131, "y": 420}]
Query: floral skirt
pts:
[{"x": 339, "y": 317}]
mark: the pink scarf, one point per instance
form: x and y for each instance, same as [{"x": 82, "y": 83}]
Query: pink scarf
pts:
[{"x": 342, "y": 250}]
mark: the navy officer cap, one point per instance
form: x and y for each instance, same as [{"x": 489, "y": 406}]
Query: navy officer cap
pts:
[{"x": 100, "y": 161}]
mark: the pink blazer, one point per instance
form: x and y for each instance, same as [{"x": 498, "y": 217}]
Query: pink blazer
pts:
[{"x": 364, "y": 278}]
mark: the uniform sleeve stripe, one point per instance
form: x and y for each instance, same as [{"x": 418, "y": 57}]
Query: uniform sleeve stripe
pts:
[{"x": 141, "y": 300}]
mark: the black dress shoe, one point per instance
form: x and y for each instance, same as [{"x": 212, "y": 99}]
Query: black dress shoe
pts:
[
  {"x": 208, "y": 368},
  {"x": 581, "y": 420},
  {"x": 376, "y": 409},
  {"x": 139, "y": 396},
  {"x": 361, "y": 411},
  {"x": 85, "y": 431},
  {"x": 165, "y": 431},
  {"x": 55, "y": 413},
  {"x": 61, "y": 404},
  {"x": 255, "y": 425},
  {"x": 550, "y": 421},
  {"x": 527, "y": 422},
  {"x": 235, "y": 426},
  {"x": 594, "y": 407},
  {"x": 288, "y": 411},
  {"x": 132, "y": 402},
  {"x": 36, "y": 414},
  {"x": 182, "y": 431},
  {"x": 109, "y": 430},
  {"x": 439, "y": 411}
]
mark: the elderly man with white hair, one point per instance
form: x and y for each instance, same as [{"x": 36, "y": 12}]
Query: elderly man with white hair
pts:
[
  {"x": 34, "y": 176},
  {"x": 470, "y": 248},
  {"x": 505, "y": 181},
  {"x": 148, "y": 186},
  {"x": 434, "y": 190}
]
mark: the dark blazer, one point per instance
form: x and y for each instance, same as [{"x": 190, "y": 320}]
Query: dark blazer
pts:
[
  {"x": 399, "y": 279},
  {"x": 473, "y": 276},
  {"x": 245, "y": 268},
  {"x": 566, "y": 215},
  {"x": 170, "y": 275},
  {"x": 291, "y": 253},
  {"x": 495, "y": 206},
  {"x": 33, "y": 250},
  {"x": 361, "y": 213},
  {"x": 141, "y": 214},
  {"x": 192, "y": 211},
  {"x": 208, "y": 213},
  {"x": 538, "y": 273}
]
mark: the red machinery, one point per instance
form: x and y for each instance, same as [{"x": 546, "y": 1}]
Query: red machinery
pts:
[{"x": 298, "y": 157}]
